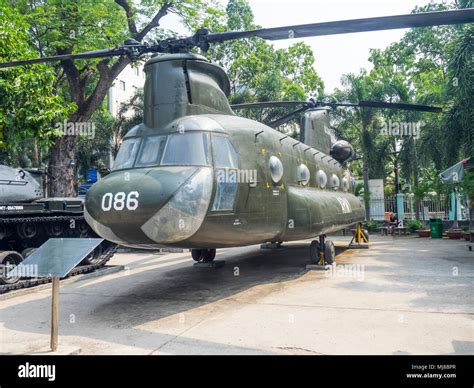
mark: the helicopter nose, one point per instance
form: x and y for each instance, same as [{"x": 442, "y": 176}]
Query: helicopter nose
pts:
[{"x": 154, "y": 206}]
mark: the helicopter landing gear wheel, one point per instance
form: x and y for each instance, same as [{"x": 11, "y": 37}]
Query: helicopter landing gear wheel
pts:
[
  {"x": 203, "y": 255},
  {"x": 329, "y": 252},
  {"x": 322, "y": 252},
  {"x": 314, "y": 251}
]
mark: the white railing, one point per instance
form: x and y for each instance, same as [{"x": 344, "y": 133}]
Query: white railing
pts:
[{"x": 430, "y": 207}]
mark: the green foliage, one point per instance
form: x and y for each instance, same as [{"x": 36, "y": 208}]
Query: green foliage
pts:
[
  {"x": 28, "y": 103},
  {"x": 93, "y": 151},
  {"x": 414, "y": 225},
  {"x": 467, "y": 185},
  {"x": 359, "y": 189},
  {"x": 259, "y": 72},
  {"x": 430, "y": 66},
  {"x": 372, "y": 225},
  {"x": 109, "y": 132}
]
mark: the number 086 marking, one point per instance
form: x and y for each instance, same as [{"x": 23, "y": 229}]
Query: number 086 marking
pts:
[{"x": 120, "y": 201}]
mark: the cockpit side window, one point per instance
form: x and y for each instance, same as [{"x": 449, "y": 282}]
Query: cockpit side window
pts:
[
  {"x": 187, "y": 149},
  {"x": 226, "y": 169},
  {"x": 127, "y": 153},
  {"x": 151, "y": 151},
  {"x": 224, "y": 153}
]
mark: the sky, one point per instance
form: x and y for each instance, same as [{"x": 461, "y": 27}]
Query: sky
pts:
[{"x": 338, "y": 54}]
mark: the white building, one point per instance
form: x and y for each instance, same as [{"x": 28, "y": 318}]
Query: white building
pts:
[{"x": 124, "y": 87}]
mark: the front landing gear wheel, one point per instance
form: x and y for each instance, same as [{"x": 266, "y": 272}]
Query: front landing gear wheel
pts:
[
  {"x": 203, "y": 255},
  {"x": 314, "y": 251},
  {"x": 329, "y": 252},
  {"x": 196, "y": 254}
]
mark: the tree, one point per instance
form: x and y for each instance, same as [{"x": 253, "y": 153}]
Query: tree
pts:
[
  {"x": 430, "y": 66},
  {"x": 361, "y": 127},
  {"x": 259, "y": 72},
  {"x": 70, "y": 26},
  {"x": 95, "y": 151},
  {"x": 28, "y": 103}
]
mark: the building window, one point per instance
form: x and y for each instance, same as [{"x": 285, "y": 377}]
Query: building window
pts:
[
  {"x": 137, "y": 71},
  {"x": 122, "y": 85}
]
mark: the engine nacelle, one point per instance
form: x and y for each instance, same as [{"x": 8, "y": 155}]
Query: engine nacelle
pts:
[{"x": 342, "y": 151}]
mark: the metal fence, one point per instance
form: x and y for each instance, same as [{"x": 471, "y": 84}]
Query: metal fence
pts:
[{"x": 430, "y": 207}]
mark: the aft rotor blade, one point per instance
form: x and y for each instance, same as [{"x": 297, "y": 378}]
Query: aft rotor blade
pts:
[
  {"x": 268, "y": 104},
  {"x": 396, "y": 105},
  {"x": 285, "y": 119},
  {"x": 424, "y": 19}
]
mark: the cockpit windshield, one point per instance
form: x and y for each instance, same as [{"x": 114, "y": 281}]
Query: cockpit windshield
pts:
[
  {"x": 127, "y": 153},
  {"x": 189, "y": 149},
  {"x": 186, "y": 149}
]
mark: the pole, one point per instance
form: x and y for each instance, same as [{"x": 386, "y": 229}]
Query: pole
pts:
[
  {"x": 398, "y": 195},
  {"x": 55, "y": 314},
  {"x": 455, "y": 224}
]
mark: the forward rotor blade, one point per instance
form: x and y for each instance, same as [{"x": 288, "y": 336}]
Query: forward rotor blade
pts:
[
  {"x": 424, "y": 19},
  {"x": 85, "y": 55},
  {"x": 202, "y": 38}
]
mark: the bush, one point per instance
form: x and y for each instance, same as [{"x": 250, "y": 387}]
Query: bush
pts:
[
  {"x": 414, "y": 225},
  {"x": 372, "y": 225}
]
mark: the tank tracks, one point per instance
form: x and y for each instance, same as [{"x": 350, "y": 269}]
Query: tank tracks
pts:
[
  {"x": 100, "y": 261},
  {"x": 79, "y": 270}
]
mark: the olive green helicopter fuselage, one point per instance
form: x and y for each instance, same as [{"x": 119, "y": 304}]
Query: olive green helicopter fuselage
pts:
[{"x": 195, "y": 175}]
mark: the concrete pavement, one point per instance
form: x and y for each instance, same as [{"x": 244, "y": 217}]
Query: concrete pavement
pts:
[{"x": 404, "y": 295}]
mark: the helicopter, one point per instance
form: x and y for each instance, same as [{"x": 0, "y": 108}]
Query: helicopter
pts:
[{"x": 195, "y": 175}]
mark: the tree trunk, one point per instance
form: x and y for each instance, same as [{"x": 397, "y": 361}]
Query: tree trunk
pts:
[
  {"x": 62, "y": 155},
  {"x": 62, "y": 169}
]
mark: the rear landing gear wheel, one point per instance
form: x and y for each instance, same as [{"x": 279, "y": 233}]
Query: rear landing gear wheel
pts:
[
  {"x": 322, "y": 246},
  {"x": 314, "y": 251},
  {"x": 329, "y": 252},
  {"x": 203, "y": 255}
]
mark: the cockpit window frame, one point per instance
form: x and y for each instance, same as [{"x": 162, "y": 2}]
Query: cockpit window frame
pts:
[
  {"x": 142, "y": 147},
  {"x": 208, "y": 152},
  {"x": 140, "y": 140},
  {"x": 232, "y": 210}
]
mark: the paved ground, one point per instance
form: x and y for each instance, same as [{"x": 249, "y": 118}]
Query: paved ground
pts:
[{"x": 402, "y": 296}]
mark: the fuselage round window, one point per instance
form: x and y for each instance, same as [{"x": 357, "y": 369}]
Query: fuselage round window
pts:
[
  {"x": 303, "y": 174},
  {"x": 321, "y": 179},
  {"x": 276, "y": 169},
  {"x": 335, "y": 181}
]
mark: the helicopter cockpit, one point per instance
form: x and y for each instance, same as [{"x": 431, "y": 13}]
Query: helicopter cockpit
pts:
[
  {"x": 167, "y": 181},
  {"x": 183, "y": 149}
]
